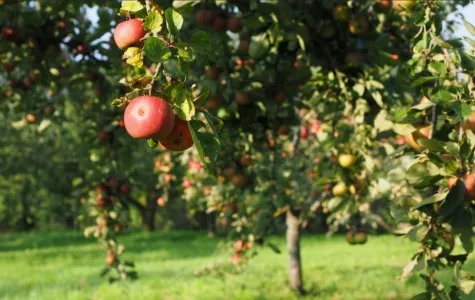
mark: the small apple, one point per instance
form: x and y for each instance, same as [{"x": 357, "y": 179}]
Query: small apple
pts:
[
  {"x": 245, "y": 160},
  {"x": 219, "y": 24},
  {"x": 212, "y": 103},
  {"x": 229, "y": 171},
  {"x": 303, "y": 133},
  {"x": 104, "y": 136},
  {"x": 180, "y": 138},
  {"x": 9, "y": 33},
  {"x": 469, "y": 123},
  {"x": 360, "y": 238},
  {"x": 340, "y": 189},
  {"x": 234, "y": 24},
  {"x": 161, "y": 201},
  {"x": 149, "y": 117},
  {"x": 83, "y": 49},
  {"x": 383, "y": 6},
  {"x": 359, "y": 25},
  {"x": 242, "y": 98},
  {"x": 211, "y": 73},
  {"x": 284, "y": 130},
  {"x": 9, "y": 66},
  {"x": 346, "y": 160},
  {"x": 128, "y": 33},
  {"x": 402, "y": 5},
  {"x": 244, "y": 46},
  {"x": 167, "y": 177},
  {"x": 31, "y": 118},
  {"x": 239, "y": 245},
  {"x": 469, "y": 181},
  {"x": 124, "y": 189},
  {"x": 62, "y": 25},
  {"x": 111, "y": 182},
  {"x": 111, "y": 258},
  {"x": 350, "y": 237},
  {"x": 422, "y": 131},
  {"x": 121, "y": 123},
  {"x": 341, "y": 13},
  {"x": 204, "y": 17},
  {"x": 103, "y": 201},
  {"x": 239, "y": 180},
  {"x": 187, "y": 183}
]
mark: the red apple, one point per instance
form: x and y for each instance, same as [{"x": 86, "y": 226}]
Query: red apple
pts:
[
  {"x": 9, "y": 33},
  {"x": 128, "y": 33},
  {"x": 121, "y": 123},
  {"x": 180, "y": 138},
  {"x": 284, "y": 130},
  {"x": 212, "y": 73},
  {"x": 31, "y": 118},
  {"x": 167, "y": 177},
  {"x": 359, "y": 25},
  {"x": 469, "y": 181},
  {"x": 149, "y": 117},
  {"x": 111, "y": 182},
  {"x": 245, "y": 160},
  {"x": 219, "y": 24},
  {"x": 62, "y": 25},
  {"x": 238, "y": 245},
  {"x": 242, "y": 98},
  {"x": 103, "y": 201},
  {"x": 204, "y": 17},
  {"x": 229, "y": 171},
  {"x": 234, "y": 24},
  {"x": 244, "y": 46},
  {"x": 83, "y": 49},
  {"x": 383, "y": 6},
  {"x": 124, "y": 189},
  {"x": 161, "y": 201},
  {"x": 187, "y": 183},
  {"x": 212, "y": 103},
  {"x": 303, "y": 133},
  {"x": 239, "y": 180},
  {"x": 104, "y": 136},
  {"x": 8, "y": 67}
]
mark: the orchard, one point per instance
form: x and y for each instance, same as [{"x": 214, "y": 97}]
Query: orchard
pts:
[{"x": 313, "y": 142}]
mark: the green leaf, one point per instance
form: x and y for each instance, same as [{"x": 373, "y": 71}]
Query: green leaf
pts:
[
  {"x": 440, "y": 42},
  {"x": 185, "y": 51},
  {"x": 152, "y": 143},
  {"x": 470, "y": 41},
  {"x": 134, "y": 56},
  {"x": 467, "y": 61},
  {"x": 207, "y": 145},
  {"x": 418, "y": 232},
  {"x": 132, "y": 6},
  {"x": 437, "y": 68},
  {"x": 153, "y": 22},
  {"x": 469, "y": 27},
  {"x": 467, "y": 242},
  {"x": 466, "y": 110},
  {"x": 156, "y": 50},
  {"x": 183, "y": 105},
  {"x": 174, "y": 21},
  {"x": 442, "y": 96},
  {"x": 259, "y": 45},
  {"x": 378, "y": 98},
  {"x": 454, "y": 199},
  {"x": 202, "y": 98},
  {"x": 431, "y": 144},
  {"x": 422, "y": 80},
  {"x": 432, "y": 199},
  {"x": 199, "y": 42}
]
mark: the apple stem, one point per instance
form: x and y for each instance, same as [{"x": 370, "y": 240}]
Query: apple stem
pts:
[{"x": 154, "y": 78}]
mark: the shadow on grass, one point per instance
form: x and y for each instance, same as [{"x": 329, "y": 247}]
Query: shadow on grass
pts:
[{"x": 41, "y": 240}]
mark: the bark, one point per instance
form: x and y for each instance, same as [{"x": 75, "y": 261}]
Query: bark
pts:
[{"x": 293, "y": 248}]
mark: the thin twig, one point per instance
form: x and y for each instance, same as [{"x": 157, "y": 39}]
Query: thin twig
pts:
[
  {"x": 154, "y": 78},
  {"x": 148, "y": 5},
  {"x": 433, "y": 122}
]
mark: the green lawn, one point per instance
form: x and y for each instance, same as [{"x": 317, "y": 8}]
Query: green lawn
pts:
[{"x": 64, "y": 265}]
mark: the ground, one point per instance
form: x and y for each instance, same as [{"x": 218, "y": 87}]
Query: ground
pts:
[{"x": 64, "y": 265}]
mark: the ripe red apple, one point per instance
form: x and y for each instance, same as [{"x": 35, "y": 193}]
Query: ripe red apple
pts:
[
  {"x": 469, "y": 123},
  {"x": 245, "y": 160},
  {"x": 9, "y": 33},
  {"x": 359, "y": 25},
  {"x": 280, "y": 96},
  {"x": 104, "y": 136},
  {"x": 8, "y": 67},
  {"x": 236, "y": 258},
  {"x": 31, "y": 118},
  {"x": 469, "y": 181},
  {"x": 161, "y": 201},
  {"x": 187, "y": 183},
  {"x": 244, "y": 46},
  {"x": 121, "y": 123},
  {"x": 238, "y": 245},
  {"x": 239, "y": 180},
  {"x": 124, "y": 189},
  {"x": 180, "y": 138},
  {"x": 212, "y": 103},
  {"x": 103, "y": 201},
  {"x": 167, "y": 177},
  {"x": 242, "y": 98},
  {"x": 383, "y": 6},
  {"x": 229, "y": 171},
  {"x": 234, "y": 24},
  {"x": 149, "y": 117},
  {"x": 219, "y": 24},
  {"x": 8, "y": 93},
  {"x": 204, "y": 17},
  {"x": 111, "y": 258},
  {"x": 212, "y": 73},
  {"x": 128, "y": 33},
  {"x": 83, "y": 49},
  {"x": 62, "y": 25},
  {"x": 303, "y": 133},
  {"x": 341, "y": 13}
]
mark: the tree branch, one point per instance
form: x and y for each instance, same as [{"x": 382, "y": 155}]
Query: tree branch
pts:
[
  {"x": 148, "y": 5},
  {"x": 154, "y": 78}
]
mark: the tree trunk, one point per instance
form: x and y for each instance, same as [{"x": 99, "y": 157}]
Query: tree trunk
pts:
[
  {"x": 148, "y": 219},
  {"x": 25, "y": 211},
  {"x": 293, "y": 248},
  {"x": 211, "y": 224}
]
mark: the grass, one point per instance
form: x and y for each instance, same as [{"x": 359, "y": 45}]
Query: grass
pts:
[{"x": 64, "y": 265}]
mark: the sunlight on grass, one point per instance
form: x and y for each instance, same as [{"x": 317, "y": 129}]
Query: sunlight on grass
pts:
[{"x": 64, "y": 265}]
